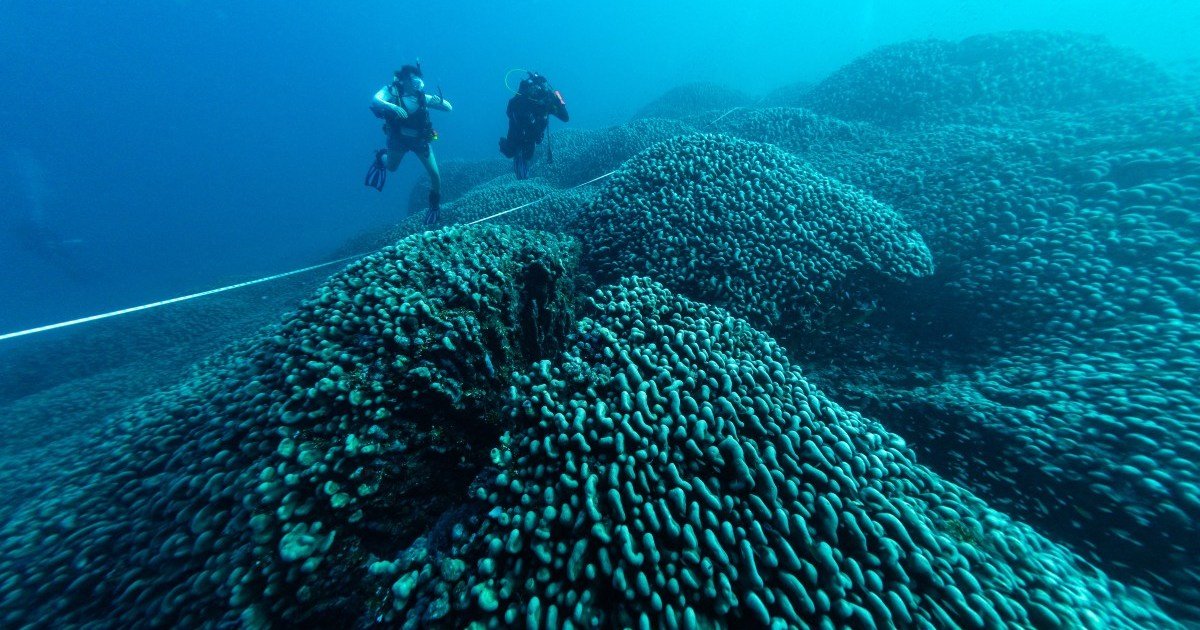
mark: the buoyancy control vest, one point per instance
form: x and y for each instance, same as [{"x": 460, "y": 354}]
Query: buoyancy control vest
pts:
[{"x": 418, "y": 123}]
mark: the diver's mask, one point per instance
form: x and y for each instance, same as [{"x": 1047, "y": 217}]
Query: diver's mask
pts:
[
  {"x": 534, "y": 87},
  {"x": 416, "y": 84}
]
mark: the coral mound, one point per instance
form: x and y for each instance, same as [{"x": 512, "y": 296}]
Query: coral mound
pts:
[
  {"x": 747, "y": 227},
  {"x": 673, "y": 469},
  {"x": 256, "y": 490}
]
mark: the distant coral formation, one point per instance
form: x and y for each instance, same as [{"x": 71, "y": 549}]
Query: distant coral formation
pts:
[
  {"x": 932, "y": 79},
  {"x": 694, "y": 100}
]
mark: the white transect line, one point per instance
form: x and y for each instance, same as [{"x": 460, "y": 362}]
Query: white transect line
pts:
[
  {"x": 542, "y": 198},
  {"x": 718, "y": 118},
  {"x": 184, "y": 298}
]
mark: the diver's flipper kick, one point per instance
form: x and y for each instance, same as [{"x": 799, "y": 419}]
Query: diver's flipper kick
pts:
[{"x": 377, "y": 174}]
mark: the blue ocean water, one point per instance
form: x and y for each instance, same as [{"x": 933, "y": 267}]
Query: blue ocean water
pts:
[
  {"x": 870, "y": 315},
  {"x": 156, "y": 148}
]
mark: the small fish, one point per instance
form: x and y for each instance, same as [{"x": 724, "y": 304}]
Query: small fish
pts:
[{"x": 487, "y": 361}]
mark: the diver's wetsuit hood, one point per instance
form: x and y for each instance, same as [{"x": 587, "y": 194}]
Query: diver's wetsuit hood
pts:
[
  {"x": 534, "y": 86},
  {"x": 408, "y": 71}
]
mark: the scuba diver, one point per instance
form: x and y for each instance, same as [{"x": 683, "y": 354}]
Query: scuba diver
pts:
[
  {"x": 528, "y": 116},
  {"x": 404, "y": 107},
  {"x": 24, "y": 228}
]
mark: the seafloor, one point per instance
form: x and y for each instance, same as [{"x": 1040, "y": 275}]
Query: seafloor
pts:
[{"x": 916, "y": 346}]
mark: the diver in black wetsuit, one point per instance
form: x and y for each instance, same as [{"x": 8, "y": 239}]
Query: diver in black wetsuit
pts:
[{"x": 528, "y": 115}]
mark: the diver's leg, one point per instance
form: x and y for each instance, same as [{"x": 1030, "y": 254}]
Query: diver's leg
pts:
[
  {"x": 431, "y": 167},
  {"x": 526, "y": 158},
  {"x": 393, "y": 157},
  {"x": 429, "y": 160},
  {"x": 395, "y": 152}
]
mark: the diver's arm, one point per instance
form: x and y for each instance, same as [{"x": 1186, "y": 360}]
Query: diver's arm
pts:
[
  {"x": 380, "y": 100},
  {"x": 558, "y": 107},
  {"x": 437, "y": 102}
]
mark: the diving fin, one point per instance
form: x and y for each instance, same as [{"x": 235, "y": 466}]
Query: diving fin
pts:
[
  {"x": 433, "y": 215},
  {"x": 377, "y": 174}
]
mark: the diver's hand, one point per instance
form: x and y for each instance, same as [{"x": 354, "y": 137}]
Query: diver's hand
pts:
[{"x": 399, "y": 111}]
